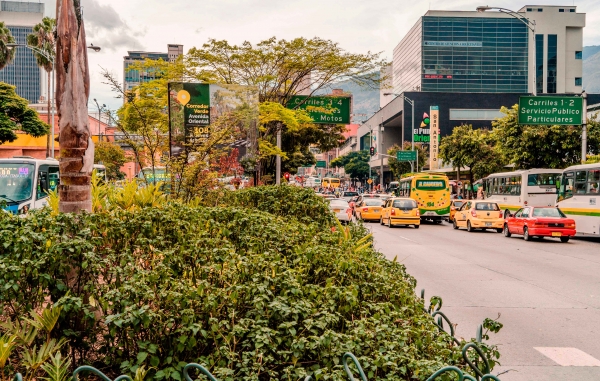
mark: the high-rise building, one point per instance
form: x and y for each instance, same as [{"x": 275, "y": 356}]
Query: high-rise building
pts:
[
  {"x": 492, "y": 52},
  {"x": 23, "y": 72},
  {"x": 133, "y": 78}
]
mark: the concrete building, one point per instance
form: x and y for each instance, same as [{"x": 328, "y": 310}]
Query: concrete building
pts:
[
  {"x": 23, "y": 72},
  {"x": 132, "y": 78}
]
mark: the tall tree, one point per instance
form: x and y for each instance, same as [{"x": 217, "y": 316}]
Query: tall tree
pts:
[
  {"x": 355, "y": 164},
  {"x": 7, "y": 54},
  {"x": 471, "y": 148},
  {"x": 43, "y": 39},
  {"x": 72, "y": 93},
  {"x": 16, "y": 116},
  {"x": 399, "y": 168},
  {"x": 542, "y": 146}
]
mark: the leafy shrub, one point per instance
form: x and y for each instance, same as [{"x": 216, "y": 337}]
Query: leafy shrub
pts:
[{"x": 250, "y": 294}]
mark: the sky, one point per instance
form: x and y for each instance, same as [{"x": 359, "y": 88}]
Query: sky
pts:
[{"x": 358, "y": 26}]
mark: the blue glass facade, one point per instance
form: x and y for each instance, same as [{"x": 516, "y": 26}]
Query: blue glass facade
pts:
[
  {"x": 135, "y": 77},
  {"x": 474, "y": 54},
  {"x": 539, "y": 63},
  {"x": 552, "y": 53},
  {"x": 23, "y": 72}
]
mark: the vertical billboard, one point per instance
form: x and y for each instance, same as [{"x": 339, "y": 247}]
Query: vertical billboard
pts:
[{"x": 434, "y": 133}]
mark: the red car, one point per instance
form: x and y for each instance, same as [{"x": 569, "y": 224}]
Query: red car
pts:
[{"x": 540, "y": 222}]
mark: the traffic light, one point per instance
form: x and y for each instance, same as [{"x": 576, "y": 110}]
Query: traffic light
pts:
[
  {"x": 372, "y": 151},
  {"x": 287, "y": 176}
]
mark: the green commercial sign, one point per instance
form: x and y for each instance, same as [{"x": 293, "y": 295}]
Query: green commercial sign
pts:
[
  {"x": 321, "y": 164},
  {"x": 550, "y": 110},
  {"x": 196, "y": 100},
  {"x": 406, "y": 155},
  {"x": 323, "y": 110}
]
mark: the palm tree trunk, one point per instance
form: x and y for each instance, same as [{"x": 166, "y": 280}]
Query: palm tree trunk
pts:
[
  {"x": 72, "y": 92},
  {"x": 49, "y": 116}
]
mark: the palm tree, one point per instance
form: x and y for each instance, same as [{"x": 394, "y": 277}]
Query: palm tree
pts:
[
  {"x": 6, "y": 53},
  {"x": 43, "y": 39}
]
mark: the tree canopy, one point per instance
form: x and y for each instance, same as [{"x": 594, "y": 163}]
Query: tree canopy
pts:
[
  {"x": 7, "y": 54},
  {"x": 15, "y": 116},
  {"x": 355, "y": 164},
  {"x": 112, "y": 157}
]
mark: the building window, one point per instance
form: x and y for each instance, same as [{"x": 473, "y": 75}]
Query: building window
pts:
[
  {"x": 475, "y": 114},
  {"x": 577, "y": 81},
  {"x": 561, "y": 10},
  {"x": 572, "y": 10},
  {"x": 540, "y": 9},
  {"x": 578, "y": 55},
  {"x": 529, "y": 9},
  {"x": 552, "y": 57},
  {"x": 539, "y": 63}
]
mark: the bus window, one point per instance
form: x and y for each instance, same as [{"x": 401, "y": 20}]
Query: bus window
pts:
[
  {"x": 580, "y": 182},
  {"x": 593, "y": 180},
  {"x": 543, "y": 179},
  {"x": 566, "y": 186}
]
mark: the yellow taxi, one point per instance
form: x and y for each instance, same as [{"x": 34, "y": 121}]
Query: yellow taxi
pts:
[
  {"x": 454, "y": 206},
  {"x": 400, "y": 211},
  {"x": 479, "y": 214},
  {"x": 369, "y": 209}
]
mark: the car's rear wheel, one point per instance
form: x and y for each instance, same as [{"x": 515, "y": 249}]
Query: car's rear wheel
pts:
[
  {"x": 389, "y": 223},
  {"x": 526, "y": 235},
  {"x": 381, "y": 221},
  {"x": 506, "y": 231},
  {"x": 417, "y": 226},
  {"x": 469, "y": 227},
  {"x": 454, "y": 225},
  {"x": 564, "y": 239}
]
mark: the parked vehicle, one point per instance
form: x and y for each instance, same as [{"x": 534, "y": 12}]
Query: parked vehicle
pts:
[
  {"x": 400, "y": 211},
  {"x": 476, "y": 214},
  {"x": 515, "y": 190},
  {"x": 540, "y": 222},
  {"x": 578, "y": 197}
]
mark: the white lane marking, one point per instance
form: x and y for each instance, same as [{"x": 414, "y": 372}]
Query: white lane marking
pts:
[
  {"x": 408, "y": 239},
  {"x": 568, "y": 356}
]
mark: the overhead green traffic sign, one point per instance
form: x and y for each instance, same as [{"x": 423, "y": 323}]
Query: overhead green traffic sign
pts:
[
  {"x": 321, "y": 164},
  {"x": 550, "y": 110},
  {"x": 323, "y": 110},
  {"x": 406, "y": 155}
]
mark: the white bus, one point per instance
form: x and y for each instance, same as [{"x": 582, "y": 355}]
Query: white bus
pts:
[
  {"x": 530, "y": 187},
  {"x": 101, "y": 172},
  {"x": 579, "y": 199},
  {"x": 25, "y": 183}
]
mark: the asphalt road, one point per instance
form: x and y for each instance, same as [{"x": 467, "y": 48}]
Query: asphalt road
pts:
[{"x": 546, "y": 292}]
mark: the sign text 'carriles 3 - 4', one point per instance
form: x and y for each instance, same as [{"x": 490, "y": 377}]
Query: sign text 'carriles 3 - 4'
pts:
[{"x": 323, "y": 110}]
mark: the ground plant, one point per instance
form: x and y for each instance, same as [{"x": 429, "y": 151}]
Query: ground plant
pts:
[{"x": 256, "y": 284}]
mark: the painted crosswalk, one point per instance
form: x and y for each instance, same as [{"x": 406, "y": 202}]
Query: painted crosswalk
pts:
[{"x": 565, "y": 356}]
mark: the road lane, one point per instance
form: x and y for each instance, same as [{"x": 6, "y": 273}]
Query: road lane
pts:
[{"x": 547, "y": 292}]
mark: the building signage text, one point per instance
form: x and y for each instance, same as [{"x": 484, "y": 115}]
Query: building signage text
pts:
[
  {"x": 434, "y": 132},
  {"x": 468, "y": 44}
]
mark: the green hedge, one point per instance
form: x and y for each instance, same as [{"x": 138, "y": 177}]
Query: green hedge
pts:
[{"x": 252, "y": 295}]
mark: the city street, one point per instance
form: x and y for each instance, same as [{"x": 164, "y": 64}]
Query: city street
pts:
[{"x": 547, "y": 292}]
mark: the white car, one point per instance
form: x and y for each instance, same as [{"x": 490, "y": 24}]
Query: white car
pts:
[{"x": 341, "y": 209}]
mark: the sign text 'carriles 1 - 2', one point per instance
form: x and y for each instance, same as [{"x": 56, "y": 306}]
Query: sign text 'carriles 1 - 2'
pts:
[
  {"x": 550, "y": 110},
  {"x": 323, "y": 110}
]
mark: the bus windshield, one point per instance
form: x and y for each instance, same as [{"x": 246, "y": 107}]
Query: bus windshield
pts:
[{"x": 16, "y": 181}]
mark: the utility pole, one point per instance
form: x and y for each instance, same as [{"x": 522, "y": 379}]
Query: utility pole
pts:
[
  {"x": 381, "y": 155},
  {"x": 278, "y": 158},
  {"x": 584, "y": 129}
]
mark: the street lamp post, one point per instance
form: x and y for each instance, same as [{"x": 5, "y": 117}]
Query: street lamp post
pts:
[
  {"x": 412, "y": 133},
  {"x": 530, "y": 24},
  {"x": 52, "y": 100}
]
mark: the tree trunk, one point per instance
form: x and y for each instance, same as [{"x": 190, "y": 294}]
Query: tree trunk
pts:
[
  {"x": 48, "y": 137},
  {"x": 72, "y": 92}
]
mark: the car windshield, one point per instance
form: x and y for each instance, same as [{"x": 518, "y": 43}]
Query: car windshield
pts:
[
  {"x": 458, "y": 204},
  {"x": 16, "y": 181},
  {"x": 405, "y": 204},
  {"x": 548, "y": 212},
  {"x": 486, "y": 206},
  {"x": 373, "y": 202}
]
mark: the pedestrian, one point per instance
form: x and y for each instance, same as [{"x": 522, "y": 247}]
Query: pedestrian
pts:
[{"x": 480, "y": 193}]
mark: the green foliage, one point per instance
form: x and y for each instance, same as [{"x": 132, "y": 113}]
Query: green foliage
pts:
[
  {"x": 542, "y": 146},
  {"x": 257, "y": 287},
  {"x": 42, "y": 38},
  {"x": 6, "y": 54},
  {"x": 112, "y": 157},
  {"x": 400, "y": 168},
  {"x": 16, "y": 115},
  {"x": 355, "y": 164},
  {"x": 471, "y": 148}
]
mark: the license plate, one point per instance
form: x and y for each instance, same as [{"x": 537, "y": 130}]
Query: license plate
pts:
[
  {"x": 406, "y": 212},
  {"x": 556, "y": 234},
  {"x": 488, "y": 224},
  {"x": 337, "y": 210},
  {"x": 429, "y": 214},
  {"x": 376, "y": 210}
]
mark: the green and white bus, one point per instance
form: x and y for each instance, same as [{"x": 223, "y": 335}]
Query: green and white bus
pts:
[{"x": 579, "y": 197}]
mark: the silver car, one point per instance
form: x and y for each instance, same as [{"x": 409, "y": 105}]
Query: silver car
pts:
[{"x": 341, "y": 209}]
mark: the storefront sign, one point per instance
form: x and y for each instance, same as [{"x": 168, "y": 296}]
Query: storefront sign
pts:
[
  {"x": 434, "y": 132},
  {"x": 466, "y": 44},
  {"x": 550, "y": 110},
  {"x": 421, "y": 134},
  {"x": 436, "y": 76},
  {"x": 323, "y": 110},
  {"x": 195, "y": 98}
]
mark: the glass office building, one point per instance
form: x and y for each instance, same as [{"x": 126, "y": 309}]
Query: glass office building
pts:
[{"x": 469, "y": 54}]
